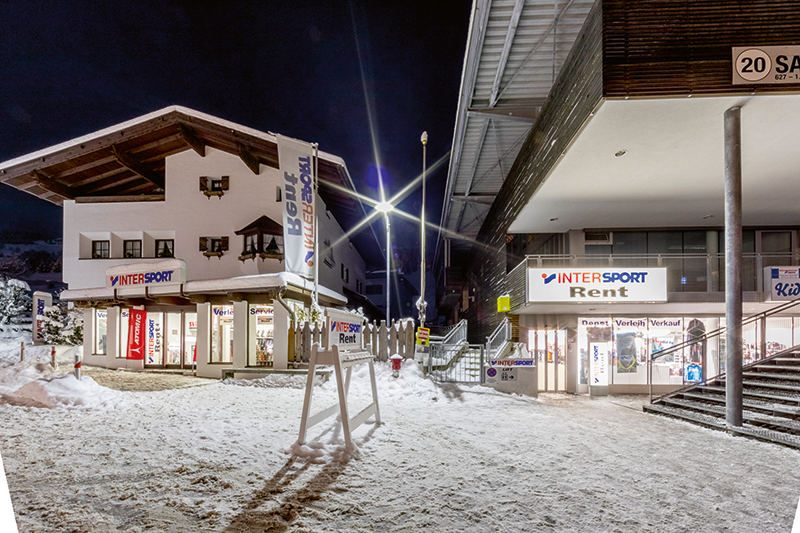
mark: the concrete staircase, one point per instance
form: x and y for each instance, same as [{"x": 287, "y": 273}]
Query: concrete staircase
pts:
[{"x": 771, "y": 401}]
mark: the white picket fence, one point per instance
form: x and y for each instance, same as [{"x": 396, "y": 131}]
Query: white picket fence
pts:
[{"x": 380, "y": 340}]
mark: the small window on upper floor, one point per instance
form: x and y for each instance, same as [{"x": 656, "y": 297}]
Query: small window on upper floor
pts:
[
  {"x": 213, "y": 246},
  {"x": 213, "y": 186},
  {"x": 101, "y": 249},
  {"x": 133, "y": 249},
  {"x": 278, "y": 194},
  {"x": 165, "y": 248}
]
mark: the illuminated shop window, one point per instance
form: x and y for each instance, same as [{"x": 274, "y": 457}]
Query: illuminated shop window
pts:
[
  {"x": 221, "y": 334},
  {"x": 100, "y": 332}
]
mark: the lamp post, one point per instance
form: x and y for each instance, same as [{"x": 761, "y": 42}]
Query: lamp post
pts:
[
  {"x": 385, "y": 208},
  {"x": 421, "y": 303}
]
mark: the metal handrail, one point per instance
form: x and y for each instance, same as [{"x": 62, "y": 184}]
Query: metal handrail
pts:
[
  {"x": 498, "y": 338},
  {"x": 710, "y": 335},
  {"x": 451, "y": 343}
]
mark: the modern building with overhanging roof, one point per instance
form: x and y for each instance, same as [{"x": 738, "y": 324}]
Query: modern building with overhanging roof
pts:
[
  {"x": 620, "y": 171},
  {"x": 195, "y": 202}
]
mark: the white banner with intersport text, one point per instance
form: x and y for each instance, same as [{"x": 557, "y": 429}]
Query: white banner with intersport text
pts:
[
  {"x": 8, "y": 523},
  {"x": 296, "y": 159}
]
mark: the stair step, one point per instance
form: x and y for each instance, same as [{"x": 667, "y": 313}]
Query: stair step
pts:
[
  {"x": 757, "y": 393},
  {"x": 748, "y": 416},
  {"x": 767, "y": 435},
  {"x": 771, "y": 408},
  {"x": 691, "y": 416},
  {"x": 787, "y": 359},
  {"x": 712, "y": 422},
  {"x": 786, "y": 377},
  {"x": 769, "y": 367},
  {"x": 774, "y": 384}
]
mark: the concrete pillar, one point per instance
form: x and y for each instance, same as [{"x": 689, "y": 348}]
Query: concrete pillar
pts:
[
  {"x": 204, "y": 341},
  {"x": 576, "y": 242},
  {"x": 280, "y": 342},
  {"x": 113, "y": 338},
  {"x": 88, "y": 331},
  {"x": 241, "y": 331},
  {"x": 733, "y": 266}
]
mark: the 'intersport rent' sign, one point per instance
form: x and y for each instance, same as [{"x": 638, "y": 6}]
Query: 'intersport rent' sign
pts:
[
  {"x": 597, "y": 285},
  {"x": 299, "y": 205}
]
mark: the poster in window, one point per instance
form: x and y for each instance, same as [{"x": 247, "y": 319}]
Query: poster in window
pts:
[{"x": 626, "y": 353}]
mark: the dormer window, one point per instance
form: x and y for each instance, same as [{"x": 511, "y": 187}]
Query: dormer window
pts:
[
  {"x": 165, "y": 248},
  {"x": 263, "y": 238},
  {"x": 133, "y": 249},
  {"x": 214, "y": 186}
]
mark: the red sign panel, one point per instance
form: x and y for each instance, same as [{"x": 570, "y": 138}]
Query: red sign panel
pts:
[{"x": 136, "y": 334}]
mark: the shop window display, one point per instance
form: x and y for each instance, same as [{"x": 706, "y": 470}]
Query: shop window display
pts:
[
  {"x": 591, "y": 331},
  {"x": 100, "y": 331},
  {"x": 173, "y": 345},
  {"x": 189, "y": 339},
  {"x": 261, "y": 335},
  {"x": 629, "y": 351},
  {"x": 221, "y": 334},
  {"x": 632, "y": 341}
]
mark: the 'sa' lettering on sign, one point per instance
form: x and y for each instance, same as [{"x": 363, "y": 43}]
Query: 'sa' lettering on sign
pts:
[{"x": 759, "y": 65}]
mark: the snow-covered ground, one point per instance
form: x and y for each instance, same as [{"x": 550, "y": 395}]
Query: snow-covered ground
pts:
[{"x": 219, "y": 457}]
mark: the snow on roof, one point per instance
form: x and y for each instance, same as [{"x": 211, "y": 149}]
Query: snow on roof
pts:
[{"x": 144, "y": 118}]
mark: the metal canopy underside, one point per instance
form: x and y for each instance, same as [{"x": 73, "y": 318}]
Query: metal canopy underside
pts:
[
  {"x": 514, "y": 52},
  {"x": 126, "y": 162}
]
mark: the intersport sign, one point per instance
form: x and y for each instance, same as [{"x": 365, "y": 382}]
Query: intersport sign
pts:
[{"x": 597, "y": 285}]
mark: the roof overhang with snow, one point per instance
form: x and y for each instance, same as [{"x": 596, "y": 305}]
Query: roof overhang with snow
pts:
[{"x": 264, "y": 288}]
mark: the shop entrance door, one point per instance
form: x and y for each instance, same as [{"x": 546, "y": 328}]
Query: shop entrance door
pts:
[
  {"x": 549, "y": 348},
  {"x": 170, "y": 339}
]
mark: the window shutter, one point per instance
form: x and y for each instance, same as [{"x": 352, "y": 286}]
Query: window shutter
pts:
[
  {"x": 203, "y": 244},
  {"x": 226, "y": 182},
  {"x": 203, "y": 183},
  {"x": 224, "y": 244}
]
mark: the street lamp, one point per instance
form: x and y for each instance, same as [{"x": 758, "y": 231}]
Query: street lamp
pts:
[
  {"x": 421, "y": 303},
  {"x": 385, "y": 208}
]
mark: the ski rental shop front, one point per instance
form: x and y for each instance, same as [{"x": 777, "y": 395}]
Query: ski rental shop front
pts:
[
  {"x": 607, "y": 232},
  {"x": 186, "y": 217}
]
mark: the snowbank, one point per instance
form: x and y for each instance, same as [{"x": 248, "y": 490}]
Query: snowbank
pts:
[{"x": 64, "y": 390}]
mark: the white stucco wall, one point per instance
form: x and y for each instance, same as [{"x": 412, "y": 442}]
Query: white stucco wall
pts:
[{"x": 185, "y": 216}]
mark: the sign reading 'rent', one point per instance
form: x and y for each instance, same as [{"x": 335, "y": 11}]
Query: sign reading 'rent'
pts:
[{"x": 597, "y": 285}]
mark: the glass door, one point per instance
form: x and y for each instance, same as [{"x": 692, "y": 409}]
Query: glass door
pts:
[
  {"x": 549, "y": 348},
  {"x": 173, "y": 339}
]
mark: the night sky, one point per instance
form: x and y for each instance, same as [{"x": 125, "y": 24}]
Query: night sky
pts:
[{"x": 72, "y": 68}]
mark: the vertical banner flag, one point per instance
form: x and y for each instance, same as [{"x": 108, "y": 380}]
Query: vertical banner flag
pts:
[
  {"x": 136, "y": 334},
  {"x": 8, "y": 523},
  {"x": 40, "y": 301},
  {"x": 299, "y": 205}
]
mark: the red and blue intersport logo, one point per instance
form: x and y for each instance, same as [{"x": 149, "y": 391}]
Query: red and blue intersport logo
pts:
[
  {"x": 164, "y": 276},
  {"x": 345, "y": 327},
  {"x": 595, "y": 277}
]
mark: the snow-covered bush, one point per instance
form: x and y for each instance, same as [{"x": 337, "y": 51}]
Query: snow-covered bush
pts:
[
  {"x": 62, "y": 325},
  {"x": 15, "y": 301}
]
